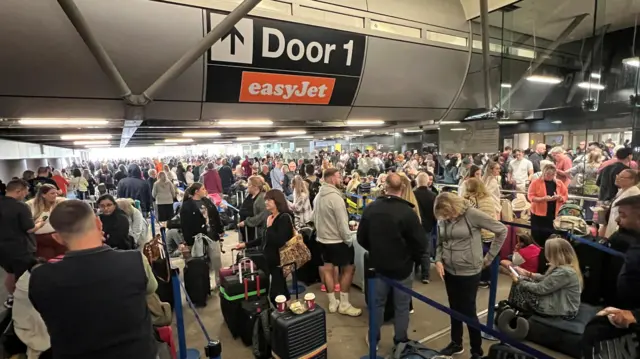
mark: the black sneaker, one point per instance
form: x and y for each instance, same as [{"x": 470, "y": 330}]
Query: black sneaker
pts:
[
  {"x": 9, "y": 302},
  {"x": 476, "y": 356},
  {"x": 452, "y": 349},
  {"x": 425, "y": 281},
  {"x": 483, "y": 285}
]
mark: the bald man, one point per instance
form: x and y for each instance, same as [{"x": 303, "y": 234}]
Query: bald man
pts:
[
  {"x": 537, "y": 156},
  {"x": 391, "y": 231}
]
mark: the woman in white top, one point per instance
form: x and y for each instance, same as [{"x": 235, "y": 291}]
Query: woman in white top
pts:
[
  {"x": 171, "y": 175},
  {"x": 301, "y": 206},
  {"x": 138, "y": 226},
  {"x": 79, "y": 184},
  {"x": 41, "y": 206},
  {"x": 491, "y": 181},
  {"x": 627, "y": 181},
  {"x": 189, "y": 175},
  {"x": 474, "y": 172}
]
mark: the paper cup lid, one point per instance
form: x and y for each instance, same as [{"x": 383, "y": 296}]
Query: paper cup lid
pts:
[
  {"x": 309, "y": 296},
  {"x": 281, "y": 299}
]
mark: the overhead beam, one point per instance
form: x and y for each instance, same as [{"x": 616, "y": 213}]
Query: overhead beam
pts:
[
  {"x": 542, "y": 58},
  {"x": 587, "y": 65},
  {"x": 486, "y": 55}
]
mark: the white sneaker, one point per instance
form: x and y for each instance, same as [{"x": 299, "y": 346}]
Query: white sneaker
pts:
[
  {"x": 349, "y": 310},
  {"x": 334, "y": 307},
  {"x": 366, "y": 340}
]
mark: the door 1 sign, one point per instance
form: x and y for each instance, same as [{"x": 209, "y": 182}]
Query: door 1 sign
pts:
[{"x": 270, "y": 61}]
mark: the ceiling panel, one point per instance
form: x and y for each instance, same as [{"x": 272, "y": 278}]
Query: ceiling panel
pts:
[{"x": 17, "y": 107}]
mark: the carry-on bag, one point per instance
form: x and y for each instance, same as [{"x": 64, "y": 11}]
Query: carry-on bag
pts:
[
  {"x": 252, "y": 307},
  {"x": 413, "y": 350},
  {"x": 299, "y": 335},
  {"x": 504, "y": 351},
  {"x": 197, "y": 281}
]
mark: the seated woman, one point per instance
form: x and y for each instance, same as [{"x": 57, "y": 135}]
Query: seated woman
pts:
[
  {"x": 115, "y": 224},
  {"x": 138, "y": 226},
  {"x": 555, "y": 293},
  {"x": 525, "y": 255},
  {"x": 279, "y": 231}
]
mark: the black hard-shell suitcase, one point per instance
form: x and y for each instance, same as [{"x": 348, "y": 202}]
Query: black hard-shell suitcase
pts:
[
  {"x": 299, "y": 335},
  {"x": 197, "y": 281},
  {"x": 309, "y": 272},
  {"x": 251, "y": 306},
  {"x": 592, "y": 266},
  {"x": 389, "y": 310}
]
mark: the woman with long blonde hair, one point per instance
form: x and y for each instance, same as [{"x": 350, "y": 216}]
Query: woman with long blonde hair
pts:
[
  {"x": 301, "y": 205},
  {"x": 407, "y": 194},
  {"x": 41, "y": 207},
  {"x": 555, "y": 293},
  {"x": 352, "y": 186},
  {"x": 138, "y": 226}
]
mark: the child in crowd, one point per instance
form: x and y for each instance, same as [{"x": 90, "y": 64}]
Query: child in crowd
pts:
[{"x": 525, "y": 255}]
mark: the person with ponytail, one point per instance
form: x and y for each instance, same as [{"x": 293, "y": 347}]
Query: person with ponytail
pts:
[
  {"x": 256, "y": 187},
  {"x": 193, "y": 215}
]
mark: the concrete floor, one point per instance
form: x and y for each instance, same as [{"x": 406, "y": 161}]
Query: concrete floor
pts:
[{"x": 345, "y": 334}]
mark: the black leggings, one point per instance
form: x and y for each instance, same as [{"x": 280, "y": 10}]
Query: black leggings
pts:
[
  {"x": 541, "y": 230},
  {"x": 278, "y": 285},
  {"x": 462, "y": 292}
]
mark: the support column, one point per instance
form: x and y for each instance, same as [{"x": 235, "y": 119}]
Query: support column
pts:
[{"x": 486, "y": 55}]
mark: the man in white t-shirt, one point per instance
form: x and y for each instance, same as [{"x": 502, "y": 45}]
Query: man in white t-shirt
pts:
[{"x": 520, "y": 170}]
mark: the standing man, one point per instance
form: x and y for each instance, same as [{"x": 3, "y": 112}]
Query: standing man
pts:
[
  {"x": 563, "y": 164},
  {"x": 426, "y": 199},
  {"x": 277, "y": 176},
  {"x": 332, "y": 224},
  {"x": 226, "y": 175},
  {"x": 520, "y": 170},
  {"x": 17, "y": 249},
  {"x": 538, "y": 156},
  {"x": 390, "y": 230}
]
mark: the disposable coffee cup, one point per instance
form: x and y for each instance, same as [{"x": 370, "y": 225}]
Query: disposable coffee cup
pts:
[
  {"x": 310, "y": 299},
  {"x": 281, "y": 303}
]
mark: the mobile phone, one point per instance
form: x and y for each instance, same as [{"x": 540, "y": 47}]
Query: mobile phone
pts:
[
  {"x": 44, "y": 218},
  {"x": 514, "y": 272}
]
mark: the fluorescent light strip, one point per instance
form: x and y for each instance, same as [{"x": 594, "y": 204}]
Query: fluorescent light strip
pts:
[
  {"x": 85, "y": 137},
  {"x": 590, "y": 86},
  {"x": 552, "y": 80},
  {"x": 632, "y": 61},
  {"x": 165, "y": 144},
  {"x": 247, "y": 123},
  {"x": 291, "y": 132},
  {"x": 300, "y": 137},
  {"x": 364, "y": 131},
  {"x": 61, "y": 122},
  {"x": 365, "y": 122},
  {"x": 247, "y": 138},
  {"x": 412, "y": 131},
  {"x": 505, "y": 86},
  {"x": 508, "y": 122},
  {"x": 458, "y": 129},
  {"x": 179, "y": 140},
  {"x": 556, "y": 122},
  {"x": 200, "y": 134},
  {"x": 596, "y": 76},
  {"x": 97, "y": 146},
  {"x": 449, "y": 122},
  {"x": 222, "y": 143},
  {"x": 80, "y": 143}
]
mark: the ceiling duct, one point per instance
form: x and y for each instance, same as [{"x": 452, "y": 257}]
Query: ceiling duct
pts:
[{"x": 472, "y": 7}]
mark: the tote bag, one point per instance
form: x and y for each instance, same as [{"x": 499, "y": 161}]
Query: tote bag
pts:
[{"x": 294, "y": 251}]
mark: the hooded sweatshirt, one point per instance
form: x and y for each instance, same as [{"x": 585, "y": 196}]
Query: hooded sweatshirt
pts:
[
  {"x": 135, "y": 187},
  {"x": 460, "y": 242},
  {"x": 330, "y": 216}
]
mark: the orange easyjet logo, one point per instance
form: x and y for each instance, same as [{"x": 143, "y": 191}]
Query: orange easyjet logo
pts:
[{"x": 279, "y": 88}]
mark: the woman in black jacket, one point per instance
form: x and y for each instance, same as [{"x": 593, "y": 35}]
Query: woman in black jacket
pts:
[
  {"x": 115, "y": 224},
  {"x": 193, "y": 212},
  {"x": 279, "y": 231}
]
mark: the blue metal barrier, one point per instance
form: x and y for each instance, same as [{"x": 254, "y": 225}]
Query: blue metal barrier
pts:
[
  {"x": 371, "y": 276},
  {"x": 493, "y": 292},
  {"x": 152, "y": 220}
]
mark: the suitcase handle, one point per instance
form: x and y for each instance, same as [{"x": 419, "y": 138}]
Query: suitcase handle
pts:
[
  {"x": 240, "y": 263},
  {"x": 294, "y": 276},
  {"x": 246, "y": 283}
]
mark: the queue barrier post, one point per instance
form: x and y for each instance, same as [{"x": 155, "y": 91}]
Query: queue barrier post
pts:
[
  {"x": 493, "y": 291},
  {"x": 152, "y": 220},
  {"x": 370, "y": 277}
]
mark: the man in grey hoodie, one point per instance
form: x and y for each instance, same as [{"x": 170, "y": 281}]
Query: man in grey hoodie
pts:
[{"x": 332, "y": 225}]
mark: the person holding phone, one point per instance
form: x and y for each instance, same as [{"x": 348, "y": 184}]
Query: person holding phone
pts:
[{"x": 547, "y": 194}]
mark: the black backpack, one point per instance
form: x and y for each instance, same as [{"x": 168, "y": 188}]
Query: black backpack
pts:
[{"x": 314, "y": 188}]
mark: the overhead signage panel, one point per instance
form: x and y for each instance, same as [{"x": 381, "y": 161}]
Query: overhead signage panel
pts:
[
  {"x": 269, "y": 61},
  {"x": 470, "y": 137}
]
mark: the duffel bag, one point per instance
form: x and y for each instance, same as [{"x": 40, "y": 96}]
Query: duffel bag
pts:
[{"x": 413, "y": 350}]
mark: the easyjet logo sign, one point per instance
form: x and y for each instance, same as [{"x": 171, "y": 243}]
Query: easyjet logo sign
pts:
[{"x": 280, "y": 88}]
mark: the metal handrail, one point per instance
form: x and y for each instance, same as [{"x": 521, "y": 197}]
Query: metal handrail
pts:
[{"x": 571, "y": 196}]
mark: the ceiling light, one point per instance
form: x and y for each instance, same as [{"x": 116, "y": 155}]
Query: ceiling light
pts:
[
  {"x": 61, "y": 122},
  {"x": 222, "y": 142},
  {"x": 244, "y": 123},
  {"x": 364, "y": 131},
  {"x": 505, "y": 86},
  {"x": 200, "y": 134},
  {"x": 291, "y": 132},
  {"x": 595, "y": 76},
  {"x": 458, "y": 129},
  {"x": 552, "y": 80},
  {"x": 306, "y": 136},
  {"x": 556, "y": 122},
  {"x": 508, "y": 122},
  {"x": 179, "y": 140},
  {"x": 365, "y": 122},
  {"x": 247, "y": 138},
  {"x": 449, "y": 122},
  {"x": 101, "y": 142},
  {"x": 412, "y": 131},
  {"x": 590, "y": 86},
  {"x": 165, "y": 144},
  {"x": 632, "y": 61},
  {"x": 97, "y": 146},
  {"x": 85, "y": 137}
]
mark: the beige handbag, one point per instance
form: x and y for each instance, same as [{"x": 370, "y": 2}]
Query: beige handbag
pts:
[
  {"x": 507, "y": 210},
  {"x": 294, "y": 251}
]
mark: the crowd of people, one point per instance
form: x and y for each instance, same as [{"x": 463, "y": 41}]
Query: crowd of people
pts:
[{"x": 52, "y": 239}]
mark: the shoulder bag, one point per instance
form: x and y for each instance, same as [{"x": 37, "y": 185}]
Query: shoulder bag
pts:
[{"x": 294, "y": 251}]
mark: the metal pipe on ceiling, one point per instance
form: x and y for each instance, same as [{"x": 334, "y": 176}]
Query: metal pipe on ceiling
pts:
[
  {"x": 486, "y": 55},
  {"x": 542, "y": 57},
  {"x": 82, "y": 27},
  {"x": 192, "y": 55}
]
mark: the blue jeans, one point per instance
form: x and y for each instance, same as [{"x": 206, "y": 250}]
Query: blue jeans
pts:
[
  {"x": 425, "y": 261},
  {"x": 401, "y": 304}
]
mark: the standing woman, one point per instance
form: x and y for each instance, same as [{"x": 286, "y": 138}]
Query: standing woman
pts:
[
  {"x": 301, "y": 206},
  {"x": 164, "y": 193},
  {"x": 474, "y": 172},
  {"x": 189, "y": 175},
  {"x": 80, "y": 184},
  {"x": 627, "y": 181},
  {"x": 91, "y": 182},
  {"x": 491, "y": 182},
  {"x": 547, "y": 194},
  {"x": 61, "y": 182},
  {"x": 41, "y": 206},
  {"x": 459, "y": 261},
  {"x": 193, "y": 215},
  {"x": 279, "y": 231},
  {"x": 255, "y": 187},
  {"x": 138, "y": 226},
  {"x": 171, "y": 176}
]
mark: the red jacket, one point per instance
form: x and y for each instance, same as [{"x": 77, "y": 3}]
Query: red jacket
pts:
[
  {"x": 246, "y": 167},
  {"x": 537, "y": 188},
  {"x": 212, "y": 182}
]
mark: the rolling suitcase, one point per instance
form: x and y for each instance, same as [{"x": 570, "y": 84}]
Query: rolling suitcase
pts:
[
  {"x": 252, "y": 307},
  {"x": 232, "y": 292},
  {"x": 197, "y": 281},
  {"x": 592, "y": 264},
  {"x": 299, "y": 335}
]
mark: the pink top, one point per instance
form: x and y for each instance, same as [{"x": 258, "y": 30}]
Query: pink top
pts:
[
  {"x": 530, "y": 255},
  {"x": 564, "y": 165}
]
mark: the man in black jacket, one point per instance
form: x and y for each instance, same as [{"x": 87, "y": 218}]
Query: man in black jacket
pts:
[
  {"x": 135, "y": 187},
  {"x": 226, "y": 175},
  {"x": 607, "y": 178},
  {"x": 426, "y": 199},
  {"x": 390, "y": 230}
]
